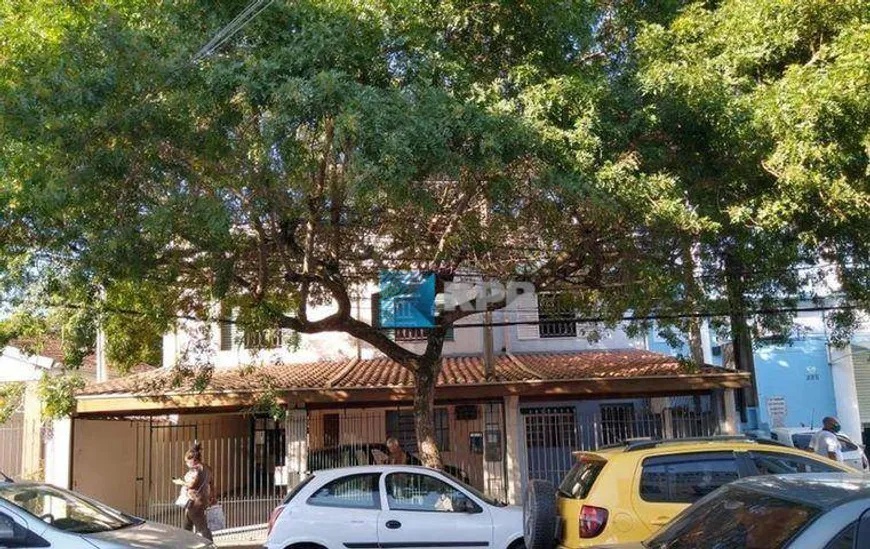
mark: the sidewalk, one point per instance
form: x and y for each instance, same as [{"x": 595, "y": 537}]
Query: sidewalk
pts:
[{"x": 242, "y": 538}]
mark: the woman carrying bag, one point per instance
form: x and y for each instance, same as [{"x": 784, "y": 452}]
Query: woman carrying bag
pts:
[{"x": 198, "y": 485}]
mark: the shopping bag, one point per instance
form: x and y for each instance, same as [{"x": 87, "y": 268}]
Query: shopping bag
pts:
[
  {"x": 215, "y": 518},
  {"x": 183, "y": 498}
]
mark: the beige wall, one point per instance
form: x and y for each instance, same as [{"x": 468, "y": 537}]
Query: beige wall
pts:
[
  {"x": 110, "y": 455},
  {"x": 103, "y": 462},
  {"x": 31, "y": 461}
]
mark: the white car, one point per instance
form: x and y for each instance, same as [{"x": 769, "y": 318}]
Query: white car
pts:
[
  {"x": 41, "y": 515},
  {"x": 391, "y": 506},
  {"x": 799, "y": 437}
]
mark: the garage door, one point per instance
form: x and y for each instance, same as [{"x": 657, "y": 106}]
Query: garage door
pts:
[{"x": 861, "y": 361}]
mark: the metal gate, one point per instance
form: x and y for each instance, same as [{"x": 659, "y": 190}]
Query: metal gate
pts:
[
  {"x": 242, "y": 453},
  {"x": 470, "y": 437},
  {"x": 12, "y": 447},
  {"x": 552, "y": 434}
]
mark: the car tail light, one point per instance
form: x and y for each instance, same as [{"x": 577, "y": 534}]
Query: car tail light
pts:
[
  {"x": 592, "y": 521},
  {"x": 273, "y": 518}
]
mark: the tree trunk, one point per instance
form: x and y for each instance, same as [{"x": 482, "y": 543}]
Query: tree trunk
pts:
[
  {"x": 696, "y": 344},
  {"x": 424, "y": 418},
  {"x": 741, "y": 338}
]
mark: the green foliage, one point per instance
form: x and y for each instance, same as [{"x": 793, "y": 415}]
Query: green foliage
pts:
[
  {"x": 615, "y": 148},
  {"x": 755, "y": 108},
  {"x": 11, "y": 396},
  {"x": 57, "y": 393}
]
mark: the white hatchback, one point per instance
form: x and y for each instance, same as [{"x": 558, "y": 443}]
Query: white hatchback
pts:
[
  {"x": 388, "y": 506},
  {"x": 799, "y": 437}
]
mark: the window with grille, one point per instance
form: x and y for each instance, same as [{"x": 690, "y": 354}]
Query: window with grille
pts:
[
  {"x": 556, "y": 316},
  {"x": 331, "y": 430},
  {"x": 263, "y": 339},
  {"x": 617, "y": 423},
  {"x": 226, "y": 329},
  {"x": 401, "y": 334},
  {"x": 400, "y": 425},
  {"x": 551, "y": 427}
]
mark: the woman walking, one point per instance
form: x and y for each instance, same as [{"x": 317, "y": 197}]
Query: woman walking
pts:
[{"x": 197, "y": 480}]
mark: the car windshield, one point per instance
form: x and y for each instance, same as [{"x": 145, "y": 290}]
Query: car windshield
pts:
[
  {"x": 735, "y": 517},
  {"x": 64, "y": 510}
]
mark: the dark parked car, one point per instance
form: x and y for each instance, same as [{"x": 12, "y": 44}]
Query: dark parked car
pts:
[{"x": 349, "y": 455}]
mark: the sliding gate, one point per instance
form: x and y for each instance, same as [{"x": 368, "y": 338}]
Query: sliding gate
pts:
[{"x": 242, "y": 452}]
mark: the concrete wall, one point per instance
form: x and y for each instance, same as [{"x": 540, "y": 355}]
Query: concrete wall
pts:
[
  {"x": 800, "y": 377},
  {"x": 17, "y": 366},
  {"x": 525, "y": 338},
  {"x": 187, "y": 339},
  {"x": 58, "y": 453}
]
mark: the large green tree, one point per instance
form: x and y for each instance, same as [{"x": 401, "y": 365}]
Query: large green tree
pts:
[
  {"x": 327, "y": 141},
  {"x": 759, "y": 109}
]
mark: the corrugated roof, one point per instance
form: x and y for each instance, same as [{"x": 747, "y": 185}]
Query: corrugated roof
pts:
[{"x": 385, "y": 373}]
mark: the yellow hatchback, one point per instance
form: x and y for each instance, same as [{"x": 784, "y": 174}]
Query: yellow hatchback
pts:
[{"x": 626, "y": 493}]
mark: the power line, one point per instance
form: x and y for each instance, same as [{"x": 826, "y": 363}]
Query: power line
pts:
[
  {"x": 530, "y": 322},
  {"x": 232, "y": 28}
]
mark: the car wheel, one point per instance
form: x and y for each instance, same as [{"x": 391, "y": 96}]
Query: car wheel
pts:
[{"x": 539, "y": 515}]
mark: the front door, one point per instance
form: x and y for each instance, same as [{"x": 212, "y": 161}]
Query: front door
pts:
[
  {"x": 425, "y": 511},
  {"x": 668, "y": 484}
]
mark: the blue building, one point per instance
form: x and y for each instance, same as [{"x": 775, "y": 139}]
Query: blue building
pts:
[{"x": 796, "y": 385}]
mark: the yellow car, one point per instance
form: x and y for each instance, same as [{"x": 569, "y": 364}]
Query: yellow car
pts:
[{"x": 626, "y": 493}]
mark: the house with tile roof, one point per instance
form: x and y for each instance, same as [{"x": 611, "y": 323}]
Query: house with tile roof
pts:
[
  {"x": 553, "y": 386},
  {"x": 25, "y": 438}
]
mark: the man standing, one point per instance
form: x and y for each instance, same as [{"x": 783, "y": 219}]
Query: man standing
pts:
[{"x": 825, "y": 442}]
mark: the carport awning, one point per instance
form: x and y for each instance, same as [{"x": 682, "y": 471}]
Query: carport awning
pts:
[{"x": 585, "y": 373}]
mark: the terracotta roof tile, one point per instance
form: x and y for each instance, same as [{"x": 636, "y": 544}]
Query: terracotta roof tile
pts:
[
  {"x": 597, "y": 364},
  {"x": 384, "y": 373},
  {"x": 282, "y": 376}
]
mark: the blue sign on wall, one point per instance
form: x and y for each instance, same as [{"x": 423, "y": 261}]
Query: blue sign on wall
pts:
[{"x": 407, "y": 299}]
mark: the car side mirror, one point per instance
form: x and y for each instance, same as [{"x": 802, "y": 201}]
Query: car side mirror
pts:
[{"x": 465, "y": 505}]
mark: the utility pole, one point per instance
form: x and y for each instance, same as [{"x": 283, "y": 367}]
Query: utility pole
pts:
[
  {"x": 741, "y": 339},
  {"x": 102, "y": 367},
  {"x": 488, "y": 358}
]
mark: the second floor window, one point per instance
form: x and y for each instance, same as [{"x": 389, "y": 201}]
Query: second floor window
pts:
[
  {"x": 556, "y": 316},
  {"x": 263, "y": 339},
  {"x": 401, "y": 334}
]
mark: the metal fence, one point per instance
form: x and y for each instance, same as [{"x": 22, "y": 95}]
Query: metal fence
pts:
[
  {"x": 471, "y": 439},
  {"x": 248, "y": 455},
  {"x": 12, "y": 446},
  {"x": 241, "y": 453},
  {"x": 552, "y": 434}
]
